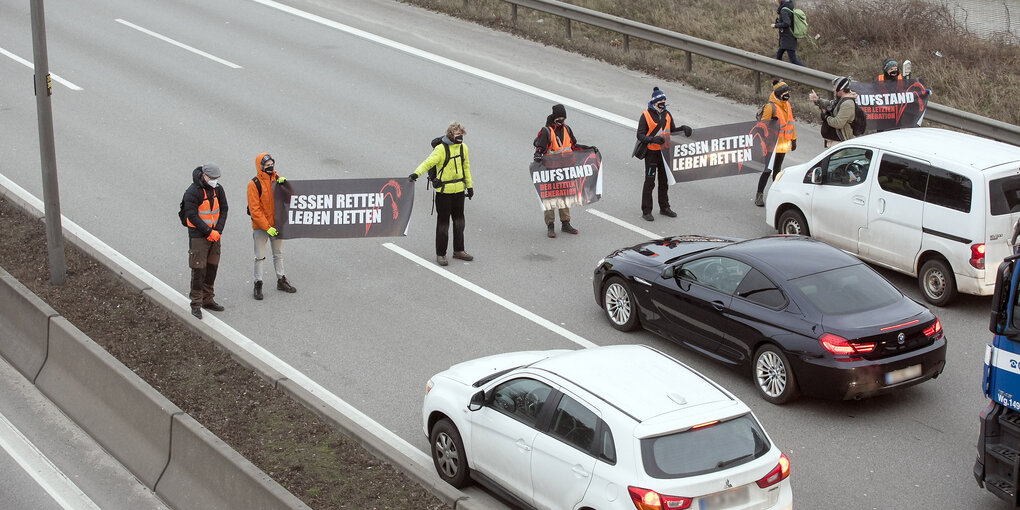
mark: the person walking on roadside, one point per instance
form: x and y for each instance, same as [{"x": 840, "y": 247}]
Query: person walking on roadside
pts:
[
  {"x": 260, "y": 207},
  {"x": 837, "y": 114},
  {"x": 654, "y": 122},
  {"x": 453, "y": 184},
  {"x": 784, "y": 23},
  {"x": 778, "y": 108},
  {"x": 557, "y": 138},
  {"x": 205, "y": 211}
]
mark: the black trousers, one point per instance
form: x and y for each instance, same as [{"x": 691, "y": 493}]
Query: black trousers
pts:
[
  {"x": 654, "y": 171},
  {"x": 776, "y": 167},
  {"x": 449, "y": 205}
]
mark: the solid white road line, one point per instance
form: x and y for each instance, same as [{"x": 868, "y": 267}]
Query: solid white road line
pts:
[
  {"x": 545, "y": 323},
  {"x": 624, "y": 224},
  {"x": 178, "y": 44},
  {"x": 32, "y": 67},
  {"x": 48, "y": 476}
]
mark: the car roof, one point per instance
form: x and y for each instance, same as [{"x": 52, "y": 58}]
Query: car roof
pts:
[
  {"x": 942, "y": 145},
  {"x": 790, "y": 256},
  {"x": 636, "y": 379}
]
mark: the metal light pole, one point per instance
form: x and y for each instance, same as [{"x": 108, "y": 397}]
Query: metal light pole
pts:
[{"x": 47, "y": 152}]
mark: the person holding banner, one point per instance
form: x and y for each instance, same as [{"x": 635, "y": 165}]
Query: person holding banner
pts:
[
  {"x": 453, "y": 183},
  {"x": 263, "y": 222},
  {"x": 653, "y": 124},
  {"x": 777, "y": 108},
  {"x": 837, "y": 114},
  {"x": 557, "y": 138}
]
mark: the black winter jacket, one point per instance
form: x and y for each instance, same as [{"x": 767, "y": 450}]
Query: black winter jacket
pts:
[
  {"x": 193, "y": 196},
  {"x": 784, "y": 23}
]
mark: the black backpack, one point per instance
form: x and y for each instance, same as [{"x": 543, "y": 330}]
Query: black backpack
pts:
[
  {"x": 433, "y": 172},
  {"x": 258, "y": 187},
  {"x": 184, "y": 217},
  {"x": 860, "y": 123}
]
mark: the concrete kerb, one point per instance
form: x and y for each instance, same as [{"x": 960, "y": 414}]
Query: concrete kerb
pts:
[
  {"x": 204, "y": 472},
  {"x": 24, "y": 326}
]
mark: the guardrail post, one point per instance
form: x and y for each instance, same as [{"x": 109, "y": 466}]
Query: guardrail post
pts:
[
  {"x": 690, "y": 62},
  {"x": 513, "y": 13},
  {"x": 757, "y": 82},
  {"x": 568, "y": 26},
  {"x": 626, "y": 42}
]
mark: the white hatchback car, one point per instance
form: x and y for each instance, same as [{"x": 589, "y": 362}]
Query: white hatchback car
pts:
[{"x": 615, "y": 427}]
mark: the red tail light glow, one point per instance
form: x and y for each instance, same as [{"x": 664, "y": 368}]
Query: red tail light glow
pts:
[
  {"x": 841, "y": 347},
  {"x": 934, "y": 329},
  {"x": 646, "y": 499},
  {"x": 977, "y": 256},
  {"x": 706, "y": 424},
  {"x": 778, "y": 473}
]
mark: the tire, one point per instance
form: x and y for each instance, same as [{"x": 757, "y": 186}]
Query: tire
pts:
[
  {"x": 619, "y": 305},
  {"x": 793, "y": 222},
  {"x": 937, "y": 282},
  {"x": 448, "y": 454},
  {"x": 773, "y": 376}
]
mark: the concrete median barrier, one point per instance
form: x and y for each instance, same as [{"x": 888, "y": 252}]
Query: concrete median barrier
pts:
[
  {"x": 129, "y": 418},
  {"x": 204, "y": 472},
  {"x": 24, "y": 326}
]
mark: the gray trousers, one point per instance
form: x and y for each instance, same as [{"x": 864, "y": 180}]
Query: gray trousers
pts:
[{"x": 260, "y": 237}]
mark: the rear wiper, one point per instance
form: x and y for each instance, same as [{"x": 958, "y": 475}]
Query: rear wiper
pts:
[{"x": 724, "y": 463}]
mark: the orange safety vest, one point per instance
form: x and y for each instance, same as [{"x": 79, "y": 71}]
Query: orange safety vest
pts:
[
  {"x": 786, "y": 132},
  {"x": 556, "y": 147},
  {"x": 651, "y": 129},
  {"x": 881, "y": 77},
  {"x": 209, "y": 214}
]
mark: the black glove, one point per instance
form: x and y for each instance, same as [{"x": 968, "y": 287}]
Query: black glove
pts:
[
  {"x": 687, "y": 131},
  {"x": 658, "y": 139},
  {"x": 538, "y": 158},
  {"x": 413, "y": 177},
  {"x": 470, "y": 193},
  {"x": 793, "y": 146}
]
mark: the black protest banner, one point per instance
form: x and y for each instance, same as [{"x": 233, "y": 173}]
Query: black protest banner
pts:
[
  {"x": 568, "y": 179},
  {"x": 891, "y": 104},
  {"x": 721, "y": 151},
  {"x": 335, "y": 208}
]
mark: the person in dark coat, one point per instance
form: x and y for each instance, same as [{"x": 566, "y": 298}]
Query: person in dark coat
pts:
[
  {"x": 652, "y": 125},
  {"x": 205, "y": 209},
  {"x": 784, "y": 23}
]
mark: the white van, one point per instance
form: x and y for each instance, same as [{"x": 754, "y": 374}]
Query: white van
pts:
[{"x": 927, "y": 202}]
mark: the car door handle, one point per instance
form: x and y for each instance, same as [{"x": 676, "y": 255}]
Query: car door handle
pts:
[
  {"x": 718, "y": 305},
  {"x": 522, "y": 446},
  {"x": 881, "y": 206},
  {"x": 579, "y": 471},
  {"x": 859, "y": 200}
]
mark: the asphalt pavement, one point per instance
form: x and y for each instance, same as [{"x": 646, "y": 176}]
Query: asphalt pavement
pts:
[{"x": 351, "y": 89}]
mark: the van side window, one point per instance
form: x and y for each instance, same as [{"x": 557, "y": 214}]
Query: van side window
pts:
[
  {"x": 903, "y": 176},
  {"x": 948, "y": 190},
  {"x": 845, "y": 167},
  {"x": 1004, "y": 195}
]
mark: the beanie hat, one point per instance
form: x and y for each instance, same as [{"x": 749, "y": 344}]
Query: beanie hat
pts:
[
  {"x": 657, "y": 95},
  {"x": 888, "y": 64},
  {"x": 558, "y": 111},
  {"x": 211, "y": 170},
  {"x": 841, "y": 83},
  {"x": 780, "y": 87},
  {"x": 266, "y": 157}
]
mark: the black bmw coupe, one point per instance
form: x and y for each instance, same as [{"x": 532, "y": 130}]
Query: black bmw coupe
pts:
[{"x": 802, "y": 316}]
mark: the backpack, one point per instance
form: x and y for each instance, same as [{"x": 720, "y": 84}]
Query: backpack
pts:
[
  {"x": 860, "y": 123},
  {"x": 800, "y": 26},
  {"x": 258, "y": 187},
  {"x": 761, "y": 111},
  {"x": 184, "y": 217},
  {"x": 433, "y": 172}
]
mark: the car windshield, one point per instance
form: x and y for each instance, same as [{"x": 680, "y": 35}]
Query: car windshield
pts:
[
  {"x": 849, "y": 289},
  {"x": 704, "y": 450}
]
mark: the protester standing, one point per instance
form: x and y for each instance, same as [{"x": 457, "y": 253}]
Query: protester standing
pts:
[
  {"x": 453, "y": 184},
  {"x": 557, "y": 138},
  {"x": 778, "y": 108},
  {"x": 260, "y": 207},
  {"x": 837, "y": 114},
  {"x": 784, "y": 23},
  {"x": 654, "y": 122},
  {"x": 205, "y": 211},
  {"x": 890, "y": 71}
]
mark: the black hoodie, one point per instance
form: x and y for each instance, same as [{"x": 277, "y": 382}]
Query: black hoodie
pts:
[{"x": 194, "y": 195}]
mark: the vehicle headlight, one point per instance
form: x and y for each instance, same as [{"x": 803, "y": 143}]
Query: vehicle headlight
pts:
[{"x": 428, "y": 386}]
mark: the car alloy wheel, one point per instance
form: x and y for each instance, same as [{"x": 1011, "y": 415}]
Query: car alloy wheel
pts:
[
  {"x": 772, "y": 375},
  {"x": 448, "y": 454},
  {"x": 619, "y": 305}
]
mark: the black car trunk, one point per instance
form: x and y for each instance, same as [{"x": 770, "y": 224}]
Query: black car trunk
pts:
[{"x": 893, "y": 329}]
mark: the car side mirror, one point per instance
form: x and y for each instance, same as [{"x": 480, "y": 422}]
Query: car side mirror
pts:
[
  {"x": 668, "y": 273},
  {"x": 477, "y": 401},
  {"x": 816, "y": 175}
]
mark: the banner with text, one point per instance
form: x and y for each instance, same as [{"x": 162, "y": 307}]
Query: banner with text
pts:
[
  {"x": 333, "y": 208},
  {"x": 721, "y": 151},
  {"x": 568, "y": 179},
  {"x": 891, "y": 104}
]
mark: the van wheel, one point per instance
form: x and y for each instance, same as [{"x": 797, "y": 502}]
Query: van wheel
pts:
[
  {"x": 937, "y": 282},
  {"x": 793, "y": 222}
]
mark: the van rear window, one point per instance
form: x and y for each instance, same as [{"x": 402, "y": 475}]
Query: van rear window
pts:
[{"x": 1004, "y": 195}]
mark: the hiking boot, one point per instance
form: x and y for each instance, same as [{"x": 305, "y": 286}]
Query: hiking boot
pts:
[
  {"x": 214, "y": 306},
  {"x": 568, "y": 229},
  {"x": 462, "y": 255},
  {"x": 667, "y": 212},
  {"x": 197, "y": 312},
  {"x": 648, "y": 217},
  {"x": 552, "y": 231},
  {"x": 258, "y": 290},
  {"x": 759, "y": 199},
  {"x": 284, "y": 285},
  {"x": 441, "y": 260}
]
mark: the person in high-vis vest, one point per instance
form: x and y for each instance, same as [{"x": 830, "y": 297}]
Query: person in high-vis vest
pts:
[
  {"x": 453, "y": 184},
  {"x": 777, "y": 108},
  {"x": 557, "y": 138},
  {"x": 890, "y": 71},
  {"x": 205, "y": 208},
  {"x": 654, "y": 122},
  {"x": 260, "y": 207}
]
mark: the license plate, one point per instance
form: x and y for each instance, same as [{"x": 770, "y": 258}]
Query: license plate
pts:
[
  {"x": 727, "y": 499},
  {"x": 902, "y": 374}
]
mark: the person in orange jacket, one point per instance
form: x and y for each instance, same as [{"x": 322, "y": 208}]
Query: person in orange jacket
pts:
[
  {"x": 777, "y": 108},
  {"x": 260, "y": 207}
]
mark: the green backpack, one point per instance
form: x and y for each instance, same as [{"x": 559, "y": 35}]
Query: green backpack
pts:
[{"x": 799, "y": 28}]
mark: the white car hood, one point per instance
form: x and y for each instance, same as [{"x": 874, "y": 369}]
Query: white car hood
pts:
[{"x": 470, "y": 371}]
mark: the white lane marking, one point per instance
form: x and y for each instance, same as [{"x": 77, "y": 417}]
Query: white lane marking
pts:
[
  {"x": 48, "y": 476},
  {"x": 624, "y": 224},
  {"x": 502, "y": 80},
  {"x": 537, "y": 319},
  {"x": 179, "y": 44},
  {"x": 32, "y": 67}
]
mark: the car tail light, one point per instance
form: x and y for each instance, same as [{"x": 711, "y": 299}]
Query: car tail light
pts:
[
  {"x": 778, "y": 473},
  {"x": 704, "y": 425},
  {"x": 977, "y": 256},
  {"x": 842, "y": 347},
  {"x": 646, "y": 499},
  {"x": 934, "y": 329}
]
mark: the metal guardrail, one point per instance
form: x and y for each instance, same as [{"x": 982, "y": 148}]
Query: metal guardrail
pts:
[{"x": 942, "y": 114}]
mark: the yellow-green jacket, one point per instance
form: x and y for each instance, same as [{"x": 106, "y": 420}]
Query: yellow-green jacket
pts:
[{"x": 456, "y": 174}]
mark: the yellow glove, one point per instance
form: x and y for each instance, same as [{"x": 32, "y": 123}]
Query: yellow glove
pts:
[
  {"x": 272, "y": 231},
  {"x": 281, "y": 180}
]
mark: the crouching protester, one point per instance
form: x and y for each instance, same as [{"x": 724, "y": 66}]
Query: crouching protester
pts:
[
  {"x": 205, "y": 210},
  {"x": 453, "y": 184}
]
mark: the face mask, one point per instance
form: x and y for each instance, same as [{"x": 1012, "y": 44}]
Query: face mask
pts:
[
  {"x": 558, "y": 122},
  {"x": 268, "y": 169},
  {"x": 458, "y": 138},
  {"x": 894, "y": 72},
  {"x": 785, "y": 97},
  {"x": 213, "y": 183},
  {"x": 660, "y": 106}
]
